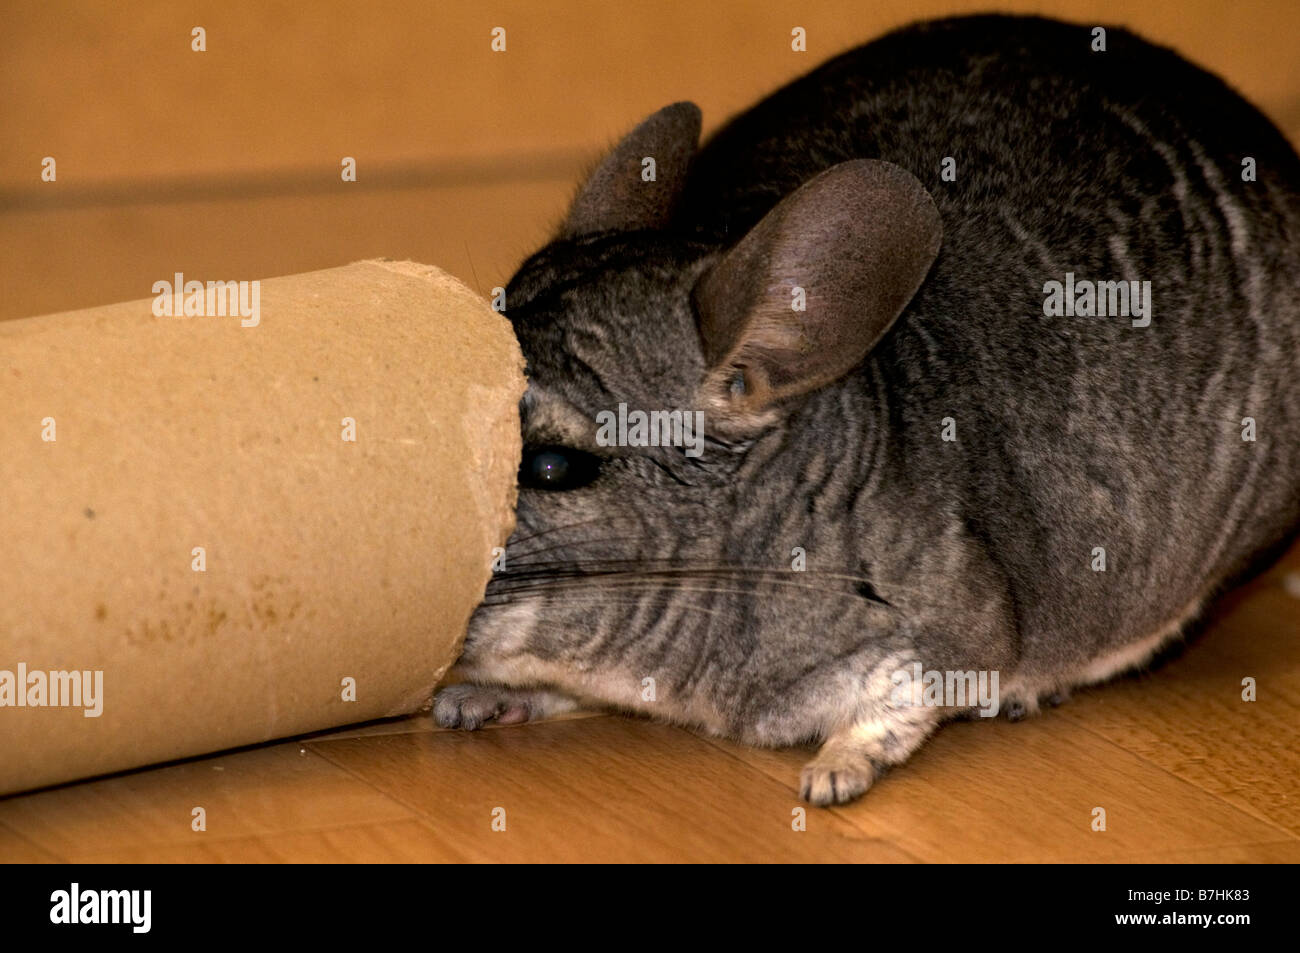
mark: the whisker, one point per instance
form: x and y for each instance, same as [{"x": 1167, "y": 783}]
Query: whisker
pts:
[
  {"x": 646, "y": 568},
  {"x": 631, "y": 582}
]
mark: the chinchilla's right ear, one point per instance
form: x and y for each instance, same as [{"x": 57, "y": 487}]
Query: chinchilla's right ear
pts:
[
  {"x": 622, "y": 193},
  {"x": 851, "y": 246}
]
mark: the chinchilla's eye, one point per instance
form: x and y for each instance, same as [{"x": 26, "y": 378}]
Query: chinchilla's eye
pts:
[{"x": 557, "y": 468}]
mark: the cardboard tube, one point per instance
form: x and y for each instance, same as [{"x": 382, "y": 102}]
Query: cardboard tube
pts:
[{"x": 185, "y": 526}]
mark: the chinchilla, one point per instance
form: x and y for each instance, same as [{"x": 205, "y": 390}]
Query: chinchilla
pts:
[{"x": 994, "y": 336}]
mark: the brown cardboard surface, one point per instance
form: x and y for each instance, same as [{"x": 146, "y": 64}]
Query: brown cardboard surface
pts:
[{"x": 324, "y": 559}]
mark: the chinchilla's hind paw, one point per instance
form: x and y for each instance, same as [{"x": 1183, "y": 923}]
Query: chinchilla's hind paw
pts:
[
  {"x": 469, "y": 706},
  {"x": 1017, "y": 707}
]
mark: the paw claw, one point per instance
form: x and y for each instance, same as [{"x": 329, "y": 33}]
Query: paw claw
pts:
[{"x": 824, "y": 785}]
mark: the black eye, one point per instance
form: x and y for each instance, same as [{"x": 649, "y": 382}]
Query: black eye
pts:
[{"x": 557, "y": 468}]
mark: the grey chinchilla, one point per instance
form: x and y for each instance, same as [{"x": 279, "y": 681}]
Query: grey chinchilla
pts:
[{"x": 1039, "y": 402}]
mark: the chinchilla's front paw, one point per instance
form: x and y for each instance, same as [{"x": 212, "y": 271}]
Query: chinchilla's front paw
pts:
[
  {"x": 469, "y": 706},
  {"x": 826, "y": 781},
  {"x": 855, "y": 756}
]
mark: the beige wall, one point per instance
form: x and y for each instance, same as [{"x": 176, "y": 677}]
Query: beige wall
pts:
[{"x": 225, "y": 164}]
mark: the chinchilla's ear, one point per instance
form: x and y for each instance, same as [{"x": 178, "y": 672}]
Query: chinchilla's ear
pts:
[
  {"x": 857, "y": 241},
  {"x": 625, "y": 192}
]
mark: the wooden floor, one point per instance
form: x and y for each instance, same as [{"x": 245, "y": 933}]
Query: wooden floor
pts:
[{"x": 1184, "y": 768}]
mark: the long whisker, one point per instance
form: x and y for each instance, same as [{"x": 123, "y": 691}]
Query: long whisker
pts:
[
  {"x": 648, "y": 567},
  {"x": 670, "y": 581}
]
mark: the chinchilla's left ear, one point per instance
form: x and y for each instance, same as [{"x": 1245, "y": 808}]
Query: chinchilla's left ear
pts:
[
  {"x": 857, "y": 241},
  {"x": 627, "y": 193}
]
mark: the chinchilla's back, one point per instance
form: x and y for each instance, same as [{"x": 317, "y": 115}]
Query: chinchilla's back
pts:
[{"x": 1174, "y": 446}]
